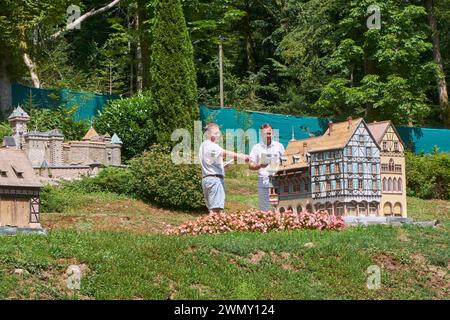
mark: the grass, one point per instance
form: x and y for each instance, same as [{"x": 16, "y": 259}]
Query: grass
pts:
[{"x": 125, "y": 255}]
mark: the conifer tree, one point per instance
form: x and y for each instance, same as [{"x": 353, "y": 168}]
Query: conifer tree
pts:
[{"x": 173, "y": 79}]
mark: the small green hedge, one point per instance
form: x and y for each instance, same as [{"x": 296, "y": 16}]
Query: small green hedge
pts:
[
  {"x": 110, "y": 179},
  {"x": 159, "y": 181},
  {"x": 428, "y": 176}
]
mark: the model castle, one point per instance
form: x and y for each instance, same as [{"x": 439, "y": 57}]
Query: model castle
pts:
[
  {"x": 51, "y": 156},
  {"x": 353, "y": 169}
]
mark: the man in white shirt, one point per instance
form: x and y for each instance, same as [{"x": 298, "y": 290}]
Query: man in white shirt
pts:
[
  {"x": 265, "y": 157},
  {"x": 211, "y": 161}
]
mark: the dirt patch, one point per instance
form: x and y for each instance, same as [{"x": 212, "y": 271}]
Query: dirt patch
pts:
[
  {"x": 54, "y": 277},
  {"x": 287, "y": 261},
  {"x": 255, "y": 258},
  {"x": 437, "y": 278},
  {"x": 388, "y": 262},
  {"x": 120, "y": 215}
]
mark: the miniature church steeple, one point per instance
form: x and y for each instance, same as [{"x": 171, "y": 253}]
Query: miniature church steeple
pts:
[{"x": 293, "y": 135}]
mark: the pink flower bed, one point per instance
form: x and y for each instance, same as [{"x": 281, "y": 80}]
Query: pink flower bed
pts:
[{"x": 255, "y": 220}]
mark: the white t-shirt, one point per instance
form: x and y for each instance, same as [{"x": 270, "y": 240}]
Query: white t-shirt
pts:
[
  {"x": 262, "y": 153},
  {"x": 210, "y": 155}
]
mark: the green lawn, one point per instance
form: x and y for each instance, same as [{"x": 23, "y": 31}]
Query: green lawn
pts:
[{"x": 126, "y": 257}]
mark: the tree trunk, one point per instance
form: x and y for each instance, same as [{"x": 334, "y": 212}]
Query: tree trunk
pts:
[
  {"x": 249, "y": 41},
  {"x": 5, "y": 85},
  {"x": 139, "y": 66},
  {"x": 28, "y": 60},
  {"x": 441, "y": 83},
  {"x": 144, "y": 44}
]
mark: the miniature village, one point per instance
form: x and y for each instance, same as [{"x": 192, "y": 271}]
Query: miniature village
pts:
[
  {"x": 353, "y": 169},
  {"x": 30, "y": 158}
]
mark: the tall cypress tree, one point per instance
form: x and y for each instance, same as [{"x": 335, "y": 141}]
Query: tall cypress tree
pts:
[{"x": 173, "y": 79}]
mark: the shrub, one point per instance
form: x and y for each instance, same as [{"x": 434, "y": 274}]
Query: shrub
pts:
[
  {"x": 131, "y": 120},
  {"x": 58, "y": 199},
  {"x": 5, "y": 129},
  {"x": 428, "y": 176},
  {"x": 110, "y": 179},
  {"x": 159, "y": 181},
  {"x": 259, "y": 221}
]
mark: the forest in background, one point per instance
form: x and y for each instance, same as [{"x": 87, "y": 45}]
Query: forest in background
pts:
[{"x": 299, "y": 57}]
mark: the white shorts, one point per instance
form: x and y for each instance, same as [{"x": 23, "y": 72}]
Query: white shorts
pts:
[{"x": 264, "y": 200}]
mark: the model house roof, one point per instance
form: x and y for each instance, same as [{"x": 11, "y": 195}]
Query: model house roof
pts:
[
  {"x": 91, "y": 134},
  {"x": 16, "y": 169},
  {"x": 115, "y": 139},
  {"x": 19, "y": 113},
  {"x": 335, "y": 138},
  {"x": 378, "y": 129}
]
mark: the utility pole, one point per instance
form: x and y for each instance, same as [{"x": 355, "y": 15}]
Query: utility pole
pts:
[{"x": 221, "y": 70}]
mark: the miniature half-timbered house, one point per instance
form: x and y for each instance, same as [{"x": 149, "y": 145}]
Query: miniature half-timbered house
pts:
[
  {"x": 19, "y": 190},
  {"x": 338, "y": 172},
  {"x": 393, "y": 176}
]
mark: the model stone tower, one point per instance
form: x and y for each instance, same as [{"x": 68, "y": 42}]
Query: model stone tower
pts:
[{"x": 18, "y": 121}]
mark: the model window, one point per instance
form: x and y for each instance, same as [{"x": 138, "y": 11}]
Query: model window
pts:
[
  {"x": 360, "y": 184},
  {"x": 361, "y": 139},
  {"x": 338, "y": 185},
  {"x": 368, "y": 152},
  {"x": 350, "y": 184},
  {"x": 360, "y": 168},
  {"x": 391, "y": 165},
  {"x": 395, "y": 146},
  {"x": 385, "y": 146}
]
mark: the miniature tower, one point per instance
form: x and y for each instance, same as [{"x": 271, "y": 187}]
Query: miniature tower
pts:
[
  {"x": 116, "y": 146},
  {"x": 18, "y": 121}
]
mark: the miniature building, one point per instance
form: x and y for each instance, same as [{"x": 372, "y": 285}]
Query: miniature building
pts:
[
  {"x": 393, "y": 182},
  {"x": 52, "y": 157},
  {"x": 19, "y": 190},
  {"x": 340, "y": 172}
]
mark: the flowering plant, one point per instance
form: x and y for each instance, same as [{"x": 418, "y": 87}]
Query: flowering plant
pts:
[{"x": 260, "y": 221}]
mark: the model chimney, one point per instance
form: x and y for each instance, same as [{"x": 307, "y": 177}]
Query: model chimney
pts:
[
  {"x": 305, "y": 148},
  {"x": 330, "y": 127},
  {"x": 350, "y": 122}
]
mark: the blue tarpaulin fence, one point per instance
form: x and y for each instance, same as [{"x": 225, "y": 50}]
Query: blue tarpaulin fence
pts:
[
  {"x": 87, "y": 104},
  {"x": 416, "y": 139}
]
